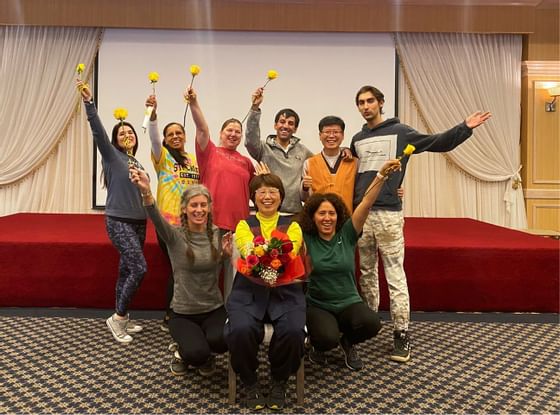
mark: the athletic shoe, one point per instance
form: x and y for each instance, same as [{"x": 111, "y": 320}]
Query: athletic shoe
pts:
[
  {"x": 208, "y": 368},
  {"x": 164, "y": 325},
  {"x": 277, "y": 395},
  {"x": 118, "y": 329},
  {"x": 253, "y": 397},
  {"x": 401, "y": 350},
  {"x": 351, "y": 357},
  {"x": 177, "y": 366},
  {"x": 132, "y": 327},
  {"x": 318, "y": 357}
]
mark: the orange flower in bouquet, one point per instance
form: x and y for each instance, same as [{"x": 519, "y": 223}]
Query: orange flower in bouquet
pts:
[{"x": 271, "y": 262}]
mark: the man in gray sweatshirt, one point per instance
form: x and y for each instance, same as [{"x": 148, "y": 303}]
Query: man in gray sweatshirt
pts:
[{"x": 282, "y": 152}]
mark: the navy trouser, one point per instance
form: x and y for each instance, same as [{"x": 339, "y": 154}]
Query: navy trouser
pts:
[
  {"x": 199, "y": 335},
  {"x": 357, "y": 323},
  {"x": 129, "y": 239},
  {"x": 244, "y": 333}
]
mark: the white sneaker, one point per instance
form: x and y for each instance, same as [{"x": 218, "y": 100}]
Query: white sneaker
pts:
[
  {"x": 132, "y": 327},
  {"x": 118, "y": 329}
]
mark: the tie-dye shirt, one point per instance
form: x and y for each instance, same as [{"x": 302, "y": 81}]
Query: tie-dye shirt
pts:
[{"x": 173, "y": 180}]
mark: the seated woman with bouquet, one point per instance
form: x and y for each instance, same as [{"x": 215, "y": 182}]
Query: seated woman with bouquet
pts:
[{"x": 266, "y": 290}]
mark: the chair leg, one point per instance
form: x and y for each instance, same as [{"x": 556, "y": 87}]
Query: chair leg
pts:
[
  {"x": 300, "y": 378},
  {"x": 232, "y": 383}
]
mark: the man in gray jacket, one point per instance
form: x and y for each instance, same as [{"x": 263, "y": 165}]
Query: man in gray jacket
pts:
[{"x": 282, "y": 152}]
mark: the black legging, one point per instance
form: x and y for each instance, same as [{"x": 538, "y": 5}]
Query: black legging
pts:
[
  {"x": 357, "y": 323},
  {"x": 198, "y": 335}
]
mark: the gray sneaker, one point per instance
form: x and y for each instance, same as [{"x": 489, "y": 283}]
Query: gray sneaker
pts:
[
  {"x": 177, "y": 366},
  {"x": 401, "y": 346},
  {"x": 351, "y": 357},
  {"x": 118, "y": 329},
  {"x": 208, "y": 368},
  {"x": 132, "y": 327}
]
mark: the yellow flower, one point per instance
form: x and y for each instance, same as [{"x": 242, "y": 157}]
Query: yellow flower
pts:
[
  {"x": 80, "y": 68},
  {"x": 409, "y": 149},
  {"x": 195, "y": 70},
  {"x": 272, "y": 74},
  {"x": 259, "y": 251},
  {"x": 153, "y": 77},
  {"x": 120, "y": 114}
]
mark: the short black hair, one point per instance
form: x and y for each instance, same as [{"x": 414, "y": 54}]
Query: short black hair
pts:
[
  {"x": 268, "y": 180},
  {"x": 331, "y": 120}
]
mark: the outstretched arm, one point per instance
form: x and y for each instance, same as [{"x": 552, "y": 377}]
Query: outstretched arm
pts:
[
  {"x": 361, "y": 212},
  {"x": 202, "y": 131}
]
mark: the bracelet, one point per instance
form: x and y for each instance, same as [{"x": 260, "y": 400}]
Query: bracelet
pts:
[
  {"x": 381, "y": 176},
  {"x": 147, "y": 194}
]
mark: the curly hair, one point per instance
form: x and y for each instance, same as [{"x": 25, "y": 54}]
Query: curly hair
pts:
[{"x": 306, "y": 217}]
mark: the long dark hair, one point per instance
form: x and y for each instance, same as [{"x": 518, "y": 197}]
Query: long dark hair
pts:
[
  {"x": 305, "y": 217},
  {"x": 115, "y": 143},
  {"x": 177, "y": 155}
]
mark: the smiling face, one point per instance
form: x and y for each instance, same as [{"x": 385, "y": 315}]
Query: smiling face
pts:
[
  {"x": 370, "y": 108},
  {"x": 268, "y": 200},
  {"x": 230, "y": 136},
  {"x": 197, "y": 209},
  {"x": 126, "y": 138},
  {"x": 331, "y": 136},
  {"x": 325, "y": 220},
  {"x": 285, "y": 128},
  {"x": 174, "y": 136}
]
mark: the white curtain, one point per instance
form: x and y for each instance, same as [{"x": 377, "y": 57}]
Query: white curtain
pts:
[
  {"x": 444, "y": 78},
  {"x": 45, "y": 146}
]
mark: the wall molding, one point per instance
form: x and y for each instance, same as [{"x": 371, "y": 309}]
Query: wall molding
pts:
[
  {"x": 540, "y": 68},
  {"x": 541, "y": 193}
]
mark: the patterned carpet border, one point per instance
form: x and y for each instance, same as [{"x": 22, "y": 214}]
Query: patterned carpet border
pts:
[{"x": 73, "y": 365}]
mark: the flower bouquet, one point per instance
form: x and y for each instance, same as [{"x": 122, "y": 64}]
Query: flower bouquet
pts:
[{"x": 272, "y": 262}]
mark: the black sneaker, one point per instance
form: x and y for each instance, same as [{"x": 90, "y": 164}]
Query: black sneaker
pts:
[
  {"x": 351, "y": 357},
  {"x": 277, "y": 395},
  {"x": 177, "y": 366},
  {"x": 208, "y": 368},
  {"x": 401, "y": 350},
  {"x": 318, "y": 357},
  {"x": 254, "y": 399}
]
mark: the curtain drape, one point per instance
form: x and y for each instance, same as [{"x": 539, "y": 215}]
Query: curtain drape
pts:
[
  {"x": 45, "y": 146},
  {"x": 444, "y": 78}
]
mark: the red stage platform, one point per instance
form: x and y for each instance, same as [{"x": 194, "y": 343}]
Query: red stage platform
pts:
[{"x": 65, "y": 260}]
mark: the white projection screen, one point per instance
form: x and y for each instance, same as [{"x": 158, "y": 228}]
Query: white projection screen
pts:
[{"x": 318, "y": 75}]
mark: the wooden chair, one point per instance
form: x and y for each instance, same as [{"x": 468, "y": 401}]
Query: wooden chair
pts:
[{"x": 300, "y": 374}]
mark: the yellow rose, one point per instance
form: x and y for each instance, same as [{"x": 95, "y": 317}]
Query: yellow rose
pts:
[
  {"x": 153, "y": 77},
  {"x": 259, "y": 251},
  {"x": 195, "y": 70},
  {"x": 272, "y": 74},
  {"x": 120, "y": 114},
  {"x": 80, "y": 68},
  {"x": 409, "y": 149}
]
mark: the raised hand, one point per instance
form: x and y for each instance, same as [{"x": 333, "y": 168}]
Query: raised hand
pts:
[
  {"x": 140, "y": 179},
  {"x": 257, "y": 98},
  {"x": 84, "y": 90},
  {"x": 190, "y": 95},
  {"x": 261, "y": 168},
  {"x": 477, "y": 118}
]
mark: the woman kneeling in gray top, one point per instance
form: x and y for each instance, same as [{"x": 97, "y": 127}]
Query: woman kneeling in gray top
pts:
[{"x": 196, "y": 253}]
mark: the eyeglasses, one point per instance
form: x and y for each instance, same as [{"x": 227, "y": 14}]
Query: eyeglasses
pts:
[
  {"x": 331, "y": 132},
  {"x": 264, "y": 192}
]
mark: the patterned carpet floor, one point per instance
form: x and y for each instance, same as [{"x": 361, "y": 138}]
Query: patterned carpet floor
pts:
[{"x": 73, "y": 365}]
